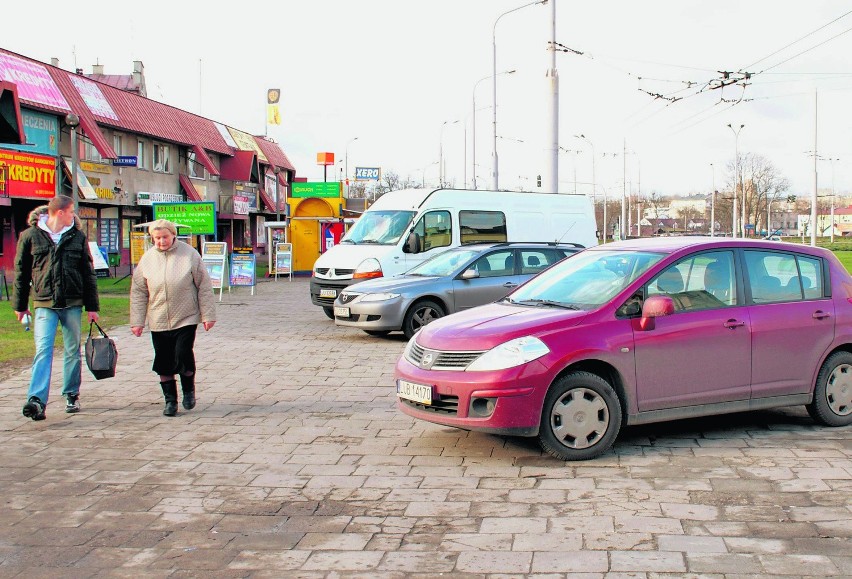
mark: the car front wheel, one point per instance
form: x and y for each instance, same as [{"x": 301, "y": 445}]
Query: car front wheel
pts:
[
  {"x": 419, "y": 315},
  {"x": 329, "y": 312},
  {"x": 832, "y": 403},
  {"x": 581, "y": 417}
]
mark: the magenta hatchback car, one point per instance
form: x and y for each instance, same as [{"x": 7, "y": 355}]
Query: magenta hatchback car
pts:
[{"x": 637, "y": 332}]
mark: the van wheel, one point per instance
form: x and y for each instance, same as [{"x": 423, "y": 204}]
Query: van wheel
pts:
[
  {"x": 419, "y": 315},
  {"x": 832, "y": 403},
  {"x": 581, "y": 417},
  {"x": 329, "y": 312}
]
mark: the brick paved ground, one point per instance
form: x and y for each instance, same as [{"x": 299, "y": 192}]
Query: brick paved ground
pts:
[{"x": 295, "y": 463}]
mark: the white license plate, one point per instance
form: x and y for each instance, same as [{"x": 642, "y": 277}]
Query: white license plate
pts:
[
  {"x": 328, "y": 293},
  {"x": 414, "y": 392},
  {"x": 341, "y": 312}
]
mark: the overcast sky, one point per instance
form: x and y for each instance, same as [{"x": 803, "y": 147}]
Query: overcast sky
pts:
[{"x": 400, "y": 75}]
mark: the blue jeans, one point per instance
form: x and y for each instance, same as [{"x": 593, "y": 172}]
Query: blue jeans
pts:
[{"x": 46, "y": 320}]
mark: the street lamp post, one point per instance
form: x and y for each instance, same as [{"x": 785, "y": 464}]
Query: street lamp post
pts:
[
  {"x": 276, "y": 170},
  {"x": 594, "y": 192},
  {"x": 494, "y": 170},
  {"x": 73, "y": 121},
  {"x": 423, "y": 173},
  {"x": 346, "y": 163},
  {"x": 736, "y": 176},
  {"x": 473, "y": 116},
  {"x": 713, "y": 203},
  {"x": 441, "y": 175}
]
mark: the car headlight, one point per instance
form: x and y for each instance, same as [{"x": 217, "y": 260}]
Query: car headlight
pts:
[
  {"x": 368, "y": 269},
  {"x": 510, "y": 354},
  {"x": 379, "y": 297}
]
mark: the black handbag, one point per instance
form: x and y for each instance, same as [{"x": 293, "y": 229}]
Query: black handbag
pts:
[{"x": 101, "y": 354}]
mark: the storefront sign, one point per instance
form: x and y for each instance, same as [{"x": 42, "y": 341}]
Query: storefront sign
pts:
[
  {"x": 319, "y": 189},
  {"x": 95, "y": 167},
  {"x": 92, "y": 96},
  {"x": 125, "y": 161},
  {"x": 42, "y": 133},
  {"x": 28, "y": 175},
  {"x": 200, "y": 217},
  {"x": 148, "y": 198},
  {"x": 241, "y": 205},
  {"x": 368, "y": 173}
]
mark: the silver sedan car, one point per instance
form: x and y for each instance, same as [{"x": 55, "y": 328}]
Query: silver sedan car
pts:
[{"x": 452, "y": 281}]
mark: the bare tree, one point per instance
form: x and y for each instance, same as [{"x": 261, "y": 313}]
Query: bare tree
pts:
[
  {"x": 763, "y": 183},
  {"x": 391, "y": 181}
]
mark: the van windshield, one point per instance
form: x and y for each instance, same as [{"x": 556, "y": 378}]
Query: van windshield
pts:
[{"x": 380, "y": 227}]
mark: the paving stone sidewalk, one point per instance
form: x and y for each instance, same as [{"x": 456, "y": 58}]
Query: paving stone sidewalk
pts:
[{"x": 295, "y": 463}]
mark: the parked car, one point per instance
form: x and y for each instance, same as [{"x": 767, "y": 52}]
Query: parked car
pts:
[
  {"x": 637, "y": 332},
  {"x": 449, "y": 282}
]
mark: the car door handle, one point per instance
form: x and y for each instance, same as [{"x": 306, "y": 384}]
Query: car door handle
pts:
[
  {"x": 733, "y": 324},
  {"x": 510, "y": 284},
  {"x": 819, "y": 315}
]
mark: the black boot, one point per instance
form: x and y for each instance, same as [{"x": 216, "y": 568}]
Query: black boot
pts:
[
  {"x": 170, "y": 394},
  {"x": 187, "y": 384}
]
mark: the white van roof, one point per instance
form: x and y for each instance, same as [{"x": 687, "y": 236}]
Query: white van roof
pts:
[{"x": 413, "y": 199}]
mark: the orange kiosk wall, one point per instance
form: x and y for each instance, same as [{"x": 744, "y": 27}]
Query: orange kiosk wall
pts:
[{"x": 306, "y": 231}]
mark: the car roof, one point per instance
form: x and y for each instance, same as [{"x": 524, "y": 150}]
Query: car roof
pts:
[
  {"x": 675, "y": 244},
  {"x": 521, "y": 244}
]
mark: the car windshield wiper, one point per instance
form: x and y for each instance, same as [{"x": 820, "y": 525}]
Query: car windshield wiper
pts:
[{"x": 546, "y": 303}]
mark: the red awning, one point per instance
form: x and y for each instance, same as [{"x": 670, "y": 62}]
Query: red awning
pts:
[
  {"x": 267, "y": 200},
  {"x": 240, "y": 167},
  {"x": 11, "y": 125},
  {"x": 93, "y": 131},
  {"x": 201, "y": 157},
  {"x": 189, "y": 188}
]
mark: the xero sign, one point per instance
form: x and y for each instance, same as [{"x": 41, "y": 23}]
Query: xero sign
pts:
[{"x": 367, "y": 173}]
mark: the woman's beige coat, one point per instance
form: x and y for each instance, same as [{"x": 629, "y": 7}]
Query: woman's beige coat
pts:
[{"x": 171, "y": 289}]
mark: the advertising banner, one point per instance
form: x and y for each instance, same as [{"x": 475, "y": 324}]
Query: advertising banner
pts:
[
  {"x": 42, "y": 133},
  {"x": 28, "y": 175},
  {"x": 318, "y": 189},
  {"x": 200, "y": 217},
  {"x": 33, "y": 81}
]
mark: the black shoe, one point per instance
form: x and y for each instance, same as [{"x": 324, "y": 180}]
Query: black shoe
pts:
[
  {"x": 170, "y": 396},
  {"x": 34, "y": 408},
  {"x": 72, "y": 403}
]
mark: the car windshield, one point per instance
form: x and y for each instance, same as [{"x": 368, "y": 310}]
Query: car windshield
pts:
[
  {"x": 586, "y": 280},
  {"x": 443, "y": 264},
  {"x": 380, "y": 227}
]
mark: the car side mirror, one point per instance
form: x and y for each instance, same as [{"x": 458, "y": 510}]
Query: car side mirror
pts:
[
  {"x": 412, "y": 243},
  {"x": 655, "y": 307},
  {"x": 469, "y": 274}
]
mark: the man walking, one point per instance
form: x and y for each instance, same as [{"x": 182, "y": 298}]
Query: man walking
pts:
[{"x": 53, "y": 254}]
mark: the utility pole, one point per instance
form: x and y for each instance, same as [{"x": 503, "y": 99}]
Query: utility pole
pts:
[
  {"x": 736, "y": 177},
  {"x": 623, "y": 191},
  {"x": 552, "y": 76},
  {"x": 816, "y": 178}
]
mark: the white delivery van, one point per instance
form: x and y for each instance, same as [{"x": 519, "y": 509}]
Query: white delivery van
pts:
[{"x": 403, "y": 228}]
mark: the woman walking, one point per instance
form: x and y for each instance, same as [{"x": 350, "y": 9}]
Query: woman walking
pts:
[{"x": 172, "y": 290}]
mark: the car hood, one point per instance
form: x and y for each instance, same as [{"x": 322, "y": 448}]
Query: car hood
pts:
[
  {"x": 349, "y": 256},
  {"x": 484, "y": 327},
  {"x": 390, "y": 284}
]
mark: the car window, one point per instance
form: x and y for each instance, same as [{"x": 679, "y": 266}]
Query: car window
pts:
[
  {"x": 495, "y": 264},
  {"x": 443, "y": 264},
  {"x": 587, "y": 280},
  {"x": 699, "y": 282},
  {"x": 435, "y": 229},
  {"x": 482, "y": 226},
  {"x": 782, "y": 277},
  {"x": 535, "y": 260}
]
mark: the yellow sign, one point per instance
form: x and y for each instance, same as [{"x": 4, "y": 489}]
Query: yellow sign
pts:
[
  {"x": 273, "y": 116},
  {"x": 246, "y": 142},
  {"x": 137, "y": 246},
  {"x": 95, "y": 167}
]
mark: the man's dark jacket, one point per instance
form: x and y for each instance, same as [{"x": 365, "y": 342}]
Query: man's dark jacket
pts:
[{"x": 62, "y": 274}]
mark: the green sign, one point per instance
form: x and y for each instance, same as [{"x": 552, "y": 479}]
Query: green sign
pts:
[
  {"x": 320, "y": 189},
  {"x": 200, "y": 217}
]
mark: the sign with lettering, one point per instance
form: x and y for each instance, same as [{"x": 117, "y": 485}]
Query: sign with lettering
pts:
[
  {"x": 33, "y": 80},
  {"x": 368, "y": 173},
  {"x": 125, "y": 161},
  {"x": 201, "y": 217},
  {"x": 319, "y": 189},
  {"x": 149, "y": 198},
  {"x": 42, "y": 133},
  {"x": 28, "y": 175}
]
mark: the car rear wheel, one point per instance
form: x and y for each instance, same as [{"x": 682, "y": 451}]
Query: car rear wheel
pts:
[
  {"x": 832, "y": 403},
  {"x": 581, "y": 417},
  {"x": 419, "y": 315},
  {"x": 328, "y": 311}
]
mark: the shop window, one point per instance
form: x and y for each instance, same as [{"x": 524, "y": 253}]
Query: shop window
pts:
[{"x": 195, "y": 169}]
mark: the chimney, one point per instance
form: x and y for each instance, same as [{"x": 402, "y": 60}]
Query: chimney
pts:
[
  {"x": 139, "y": 78},
  {"x": 54, "y": 62},
  {"x": 97, "y": 69}
]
